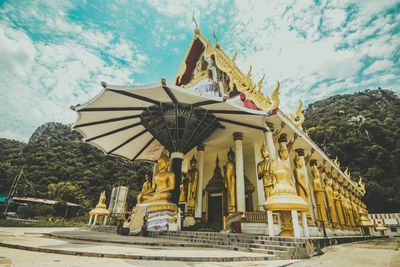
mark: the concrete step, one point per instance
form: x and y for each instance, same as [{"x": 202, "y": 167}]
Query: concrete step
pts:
[{"x": 273, "y": 247}]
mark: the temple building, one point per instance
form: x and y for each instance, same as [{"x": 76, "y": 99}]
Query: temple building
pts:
[{"x": 224, "y": 152}]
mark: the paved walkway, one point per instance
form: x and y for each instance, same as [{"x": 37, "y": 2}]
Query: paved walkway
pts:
[
  {"x": 376, "y": 253},
  {"x": 32, "y": 239}
]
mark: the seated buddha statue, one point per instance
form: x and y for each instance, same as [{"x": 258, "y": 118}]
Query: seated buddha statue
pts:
[{"x": 163, "y": 183}]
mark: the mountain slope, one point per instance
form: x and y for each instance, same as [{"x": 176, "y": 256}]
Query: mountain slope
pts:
[{"x": 363, "y": 131}]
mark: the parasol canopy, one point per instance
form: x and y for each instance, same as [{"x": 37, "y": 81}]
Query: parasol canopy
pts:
[{"x": 137, "y": 122}]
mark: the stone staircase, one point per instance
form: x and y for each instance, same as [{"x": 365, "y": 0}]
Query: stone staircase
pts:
[{"x": 273, "y": 247}]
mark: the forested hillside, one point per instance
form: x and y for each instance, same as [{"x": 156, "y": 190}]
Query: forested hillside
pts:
[
  {"x": 58, "y": 165},
  {"x": 363, "y": 131}
]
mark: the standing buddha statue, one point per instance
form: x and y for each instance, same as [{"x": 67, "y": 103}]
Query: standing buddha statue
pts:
[
  {"x": 331, "y": 200},
  {"x": 301, "y": 185},
  {"x": 265, "y": 172},
  {"x": 319, "y": 194},
  {"x": 230, "y": 181},
  {"x": 193, "y": 177},
  {"x": 338, "y": 204},
  {"x": 345, "y": 208}
]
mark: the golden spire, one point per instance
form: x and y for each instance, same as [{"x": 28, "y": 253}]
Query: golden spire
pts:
[
  {"x": 275, "y": 96},
  {"x": 298, "y": 119},
  {"x": 249, "y": 73},
  {"x": 234, "y": 57},
  {"x": 196, "y": 29},
  {"x": 217, "y": 45},
  {"x": 259, "y": 85}
]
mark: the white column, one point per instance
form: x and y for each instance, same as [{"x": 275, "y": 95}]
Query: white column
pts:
[
  {"x": 90, "y": 220},
  {"x": 305, "y": 224},
  {"x": 270, "y": 223},
  {"x": 198, "y": 210},
  {"x": 269, "y": 140},
  {"x": 296, "y": 226},
  {"x": 240, "y": 189},
  {"x": 95, "y": 220},
  {"x": 105, "y": 220}
]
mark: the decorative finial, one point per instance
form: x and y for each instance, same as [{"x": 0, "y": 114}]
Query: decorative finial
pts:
[
  {"x": 298, "y": 119},
  {"x": 234, "y": 57},
  {"x": 217, "y": 160},
  {"x": 216, "y": 39},
  {"x": 259, "y": 85},
  {"x": 275, "y": 96},
  {"x": 104, "y": 84},
  {"x": 249, "y": 73},
  {"x": 197, "y": 29}
]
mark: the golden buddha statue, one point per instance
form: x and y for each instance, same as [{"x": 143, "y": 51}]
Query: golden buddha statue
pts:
[
  {"x": 338, "y": 204},
  {"x": 349, "y": 208},
  {"x": 301, "y": 184},
  {"x": 163, "y": 183},
  {"x": 343, "y": 202},
  {"x": 146, "y": 188},
  {"x": 193, "y": 177},
  {"x": 230, "y": 181},
  {"x": 331, "y": 200},
  {"x": 354, "y": 209},
  {"x": 265, "y": 171},
  {"x": 182, "y": 193},
  {"x": 319, "y": 194}
]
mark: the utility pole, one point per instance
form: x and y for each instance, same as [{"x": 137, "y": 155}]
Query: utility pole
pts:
[{"x": 12, "y": 191}]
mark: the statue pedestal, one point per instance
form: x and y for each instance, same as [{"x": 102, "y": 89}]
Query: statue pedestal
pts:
[{"x": 157, "y": 217}]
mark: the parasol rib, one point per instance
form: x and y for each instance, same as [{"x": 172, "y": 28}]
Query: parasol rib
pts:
[
  {"x": 144, "y": 148},
  {"x": 143, "y": 98},
  {"x": 187, "y": 126},
  {"x": 197, "y": 127},
  {"x": 204, "y": 103},
  {"x": 166, "y": 126},
  {"x": 201, "y": 133},
  {"x": 107, "y": 121},
  {"x": 114, "y": 131},
  {"x": 171, "y": 95},
  {"x": 127, "y": 141},
  {"x": 112, "y": 109},
  {"x": 241, "y": 124},
  {"x": 234, "y": 112}
]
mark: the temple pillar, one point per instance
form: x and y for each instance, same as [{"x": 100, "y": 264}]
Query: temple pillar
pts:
[
  {"x": 176, "y": 167},
  {"x": 269, "y": 140},
  {"x": 198, "y": 210},
  {"x": 90, "y": 219},
  {"x": 95, "y": 220},
  {"x": 240, "y": 189},
  {"x": 259, "y": 182},
  {"x": 105, "y": 220},
  {"x": 305, "y": 224},
  {"x": 296, "y": 225},
  {"x": 270, "y": 219}
]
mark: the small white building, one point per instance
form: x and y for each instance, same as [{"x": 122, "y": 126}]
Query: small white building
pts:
[{"x": 389, "y": 220}]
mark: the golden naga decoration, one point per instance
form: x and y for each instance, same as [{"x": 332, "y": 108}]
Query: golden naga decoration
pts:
[
  {"x": 361, "y": 185},
  {"x": 336, "y": 162},
  {"x": 162, "y": 184},
  {"x": 347, "y": 172},
  {"x": 298, "y": 119},
  {"x": 237, "y": 79}
]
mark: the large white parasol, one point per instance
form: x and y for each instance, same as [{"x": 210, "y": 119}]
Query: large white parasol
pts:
[{"x": 137, "y": 122}]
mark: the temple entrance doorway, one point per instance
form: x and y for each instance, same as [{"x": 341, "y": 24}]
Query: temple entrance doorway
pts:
[{"x": 215, "y": 211}]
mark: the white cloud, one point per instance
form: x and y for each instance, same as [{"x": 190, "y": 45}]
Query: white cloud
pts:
[{"x": 378, "y": 65}]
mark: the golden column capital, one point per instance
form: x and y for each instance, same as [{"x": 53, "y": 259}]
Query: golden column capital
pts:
[{"x": 237, "y": 136}]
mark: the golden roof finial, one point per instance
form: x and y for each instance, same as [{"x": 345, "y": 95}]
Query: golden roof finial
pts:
[
  {"x": 196, "y": 29},
  {"x": 259, "y": 85},
  {"x": 249, "y": 73},
  {"x": 216, "y": 39},
  {"x": 298, "y": 119},
  {"x": 234, "y": 57},
  {"x": 275, "y": 96}
]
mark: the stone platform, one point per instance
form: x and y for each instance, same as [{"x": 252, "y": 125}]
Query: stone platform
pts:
[{"x": 121, "y": 247}]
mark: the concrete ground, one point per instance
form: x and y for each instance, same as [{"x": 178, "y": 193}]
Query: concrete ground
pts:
[
  {"x": 33, "y": 238},
  {"x": 377, "y": 253}
]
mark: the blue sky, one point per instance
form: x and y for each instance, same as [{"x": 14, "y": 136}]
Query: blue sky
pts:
[{"x": 54, "y": 54}]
